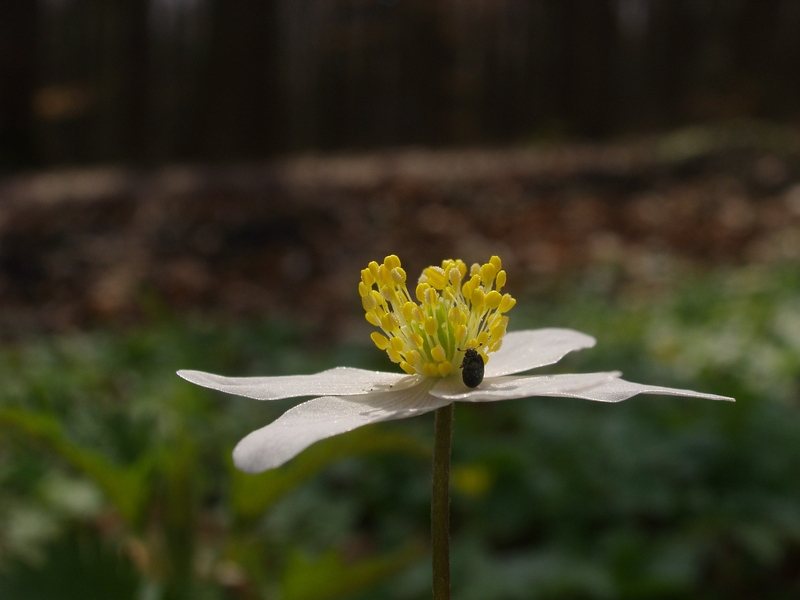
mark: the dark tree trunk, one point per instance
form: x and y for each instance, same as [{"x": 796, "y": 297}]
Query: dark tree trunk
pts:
[
  {"x": 18, "y": 68},
  {"x": 134, "y": 93},
  {"x": 240, "y": 96}
]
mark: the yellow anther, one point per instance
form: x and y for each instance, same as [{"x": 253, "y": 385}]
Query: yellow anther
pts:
[
  {"x": 408, "y": 311},
  {"x": 398, "y": 276},
  {"x": 477, "y": 298},
  {"x": 391, "y": 261},
  {"x": 497, "y": 326},
  {"x": 506, "y": 304},
  {"x": 444, "y": 368},
  {"x": 394, "y": 355},
  {"x": 389, "y": 294},
  {"x": 483, "y": 337},
  {"x": 462, "y": 268},
  {"x": 383, "y": 274},
  {"x": 500, "y": 280},
  {"x": 455, "y": 315},
  {"x": 466, "y": 289},
  {"x": 407, "y": 368},
  {"x": 430, "y": 326},
  {"x": 363, "y": 290},
  {"x": 495, "y": 346},
  {"x": 454, "y": 275},
  {"x": 421, "y": 291},
  {"x": 430, "y": 369},
  {"x": 373, "y": 320},
  {"x": 418, "y": 340},
  {"x": 475, "y": 269},
  {"x": 498, "y": 264},
  {"x": 373, "y": 269},
  {"x": 460, "y": 332},
  {"x": 381, "y": 341},
  {"x": 412, "y": 356},
  {"x": 367, "y": 278},
  {"x": 397, "y": 344},
  {"x": 493, "y": 299},
  {"x": 390, "y": 322},
  {"x": 498, "y": 332},
  {"x": 498, "y": 322},
  {"x": 435, "y": 277},
  {"x": 368, "y": 302},
  {"x": 431, "y": 297},
  {"x": 376, "y": 296},
  {"x": 494, "y": 320},
  {"x": 488, "y": 271},
  {"x": 437, "y": 353},
  {"x": 473, "y": 343}
]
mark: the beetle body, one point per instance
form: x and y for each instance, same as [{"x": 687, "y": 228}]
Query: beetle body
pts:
[{"x": 472, "y": 368}]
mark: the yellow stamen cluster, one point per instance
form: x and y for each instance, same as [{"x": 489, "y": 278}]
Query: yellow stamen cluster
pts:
[{"x": 453, "y": 312}]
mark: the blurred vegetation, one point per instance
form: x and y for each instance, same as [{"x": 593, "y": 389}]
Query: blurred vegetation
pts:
[{"x": 116, "y": 479}]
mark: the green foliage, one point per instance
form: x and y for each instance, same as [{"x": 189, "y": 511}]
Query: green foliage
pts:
[
  {"x": 80, "y": 567},
  {"x": 125, "y": 487},
  {"x": 330, "y": 576}
]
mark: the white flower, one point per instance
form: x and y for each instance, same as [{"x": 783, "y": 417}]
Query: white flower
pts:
[{"x": 425, "y": 339}]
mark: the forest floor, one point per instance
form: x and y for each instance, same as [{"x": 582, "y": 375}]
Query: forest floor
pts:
[{"x": 87, "y": 246}]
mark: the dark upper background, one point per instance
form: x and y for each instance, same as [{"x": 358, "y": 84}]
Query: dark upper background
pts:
[
  {"x": 251, "y": 157},
  {"x": 132, "y": 81}
]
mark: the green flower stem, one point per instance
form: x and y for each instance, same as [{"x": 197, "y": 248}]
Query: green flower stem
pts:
[{"x": 440, "y": 502}]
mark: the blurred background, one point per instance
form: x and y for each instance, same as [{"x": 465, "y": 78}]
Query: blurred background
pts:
[{"x": 197, "y": 184}]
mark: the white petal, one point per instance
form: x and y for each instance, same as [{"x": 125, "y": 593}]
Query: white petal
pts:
[
  {"x": 617, "y": 390},
  {"x": 320, "y": 418},
  {"x": 603, "y": 387},
  {"x": 508, "y": 388},
  {"x": 524, "y": 350},
  {"x": 341, "y": 381}
]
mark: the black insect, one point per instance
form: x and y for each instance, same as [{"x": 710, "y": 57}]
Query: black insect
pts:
[{"x": 472, "y": 368}]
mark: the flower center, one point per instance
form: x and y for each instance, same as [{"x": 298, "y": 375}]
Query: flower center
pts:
[{"x": 453, "y": 313}]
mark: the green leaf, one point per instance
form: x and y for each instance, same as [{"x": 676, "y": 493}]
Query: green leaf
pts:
[
  {"x": 330, "y": 576},
  {"x": 125, "y": 487}
]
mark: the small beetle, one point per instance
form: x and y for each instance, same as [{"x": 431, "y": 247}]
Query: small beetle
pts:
[{"x": 472, "y": 368}]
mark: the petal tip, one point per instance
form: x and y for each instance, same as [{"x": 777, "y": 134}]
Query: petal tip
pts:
[
  {"x": 252, "y": 462},
  {"x": 589, "y": 341},
  {"x": 191, "y": 376}
]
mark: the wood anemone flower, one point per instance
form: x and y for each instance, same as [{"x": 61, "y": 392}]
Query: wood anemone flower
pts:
[{"x": 428, "y": 339}]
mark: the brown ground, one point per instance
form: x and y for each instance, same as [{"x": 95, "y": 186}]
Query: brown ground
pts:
[{"x": 89, "y": 246}]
